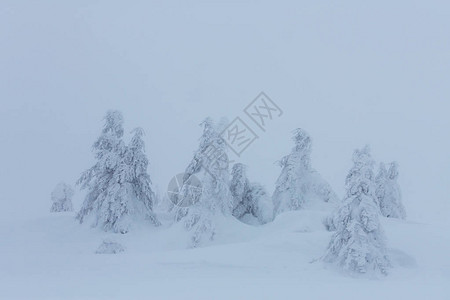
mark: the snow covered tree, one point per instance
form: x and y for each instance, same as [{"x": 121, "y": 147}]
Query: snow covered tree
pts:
[
  {"x": 118, "y": 185},
  {"x": 358, "y": 245},
  {"x": 62, "y": 198},
  {"x": 189, "y": 194},
  {"x": 250, "y": 200},
  {"x": 110, "y": 247},
  {"x": 213, "y": 201},
  {"x": 299, "y": 185},
  {"x": 258, "y": 203},
  {"x": 100, "y": 200},
  {"x": 388, "y": 192},
  {"x": 138, "y": 178},
  {"x": 239, "y": 185}
]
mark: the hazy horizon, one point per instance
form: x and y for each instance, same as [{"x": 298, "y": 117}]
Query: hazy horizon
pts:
[{"x": 349, "y": 73}]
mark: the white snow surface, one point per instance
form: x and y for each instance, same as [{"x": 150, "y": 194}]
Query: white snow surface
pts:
[
  {"x": 53, "y": 257},
  {"x": 348, "y": 72}
]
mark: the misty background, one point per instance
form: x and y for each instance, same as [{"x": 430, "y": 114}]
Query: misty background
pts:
[{"x": 348, "y": 73}]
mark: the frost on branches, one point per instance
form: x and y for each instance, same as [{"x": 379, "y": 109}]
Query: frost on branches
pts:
[
  {"x": 388, "y": 192},
  {"x": 299, "y": 185},
  {"x": 62, "y": 198},
  {"x": 358, "y": 245},
  {"x": 251, "y": 204},
  {"x": 119, "y": 188},
  {"x": 210, "y": 166}
]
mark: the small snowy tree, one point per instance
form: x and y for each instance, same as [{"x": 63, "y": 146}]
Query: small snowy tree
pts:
[
  {"x": 299, "y": 185},
  {"x": 118, "y": 185},
  {"x": 388, "y": 192},
  {"x": 259, "y": 204},
  {"x": 239, "y": 186},
  {"x": 250, "y": 200},
  {"x": 109, "y": 247},
  {"x": 210, "y": 166},
  {"x": 62, "y": 198},
  {"x": 358, "y": 245}
]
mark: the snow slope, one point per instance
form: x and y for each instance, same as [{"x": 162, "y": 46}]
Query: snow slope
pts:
[
  {"x": 52, "y": 257},
  {"x": 349, "y": 72}
]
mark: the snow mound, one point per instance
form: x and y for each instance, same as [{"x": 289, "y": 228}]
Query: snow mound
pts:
[
  {"x": 300, "y": 221},
  {"x": 273, "y": 259},
  {"x": 110, "y": 247},
  {"x": 401, "y": 259}
]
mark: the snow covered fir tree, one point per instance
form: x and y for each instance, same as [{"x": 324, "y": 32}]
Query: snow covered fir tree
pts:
[
  {"x": 299, "y": 185},
  {"x": 388, "y": 192},
  {"x": 214, "y": 201},
  {"x": 358, "y": 245},
  {"x": 251, "y": 203},
  {"x": 239, "y": 184},
  {"x": 62, "y": 198},
  {"x": 138, "y": 177},
  {"x": 118, "y": 185}
]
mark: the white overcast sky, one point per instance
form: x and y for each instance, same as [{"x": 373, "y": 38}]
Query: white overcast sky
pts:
[{"x": 349, "y": 73}]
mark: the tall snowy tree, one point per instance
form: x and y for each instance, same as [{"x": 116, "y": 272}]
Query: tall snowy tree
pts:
[
  {"x": 388, "y": 192},
  {"x": 210, "y": 166},
  {"x": 138, "y": 178},
  {"x": 299, "y": 185},
  {"x": 358, "y": 245},
  {"x": 118, "y": 185},
  {"x": 250, "y": 200},
  {"x": 62, "y": 198}
]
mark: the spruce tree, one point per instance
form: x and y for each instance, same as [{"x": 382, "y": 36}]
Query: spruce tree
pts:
[
  {"x": 210, "y": 166},
  {"x": 138, "y": 177},
  {"x": 358, "y": 245},
  {"x": 299, "y": 185},
  {"x": 388, "y": 192},
  {"x": 250, "y": 200},
  {"x": 118, "y": 185},
  {"x": 239, "y": 186}
]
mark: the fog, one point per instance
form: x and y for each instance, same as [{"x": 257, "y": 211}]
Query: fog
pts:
[{"x": 349, "y": 73}]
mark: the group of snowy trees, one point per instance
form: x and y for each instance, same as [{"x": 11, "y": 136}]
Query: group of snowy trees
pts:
[
  {"x": 358, "y": 244},
  {"x": 210, "y": 166},
  {"x": 119, "y": 193},
  {"x": 118, "y": 185},
  {"x": 221, "y": 197}
]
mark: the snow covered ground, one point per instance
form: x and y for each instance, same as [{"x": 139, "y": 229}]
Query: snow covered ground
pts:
[
  {"x": 53, "y": 257},
  {"x": 348, "y": 72}
]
